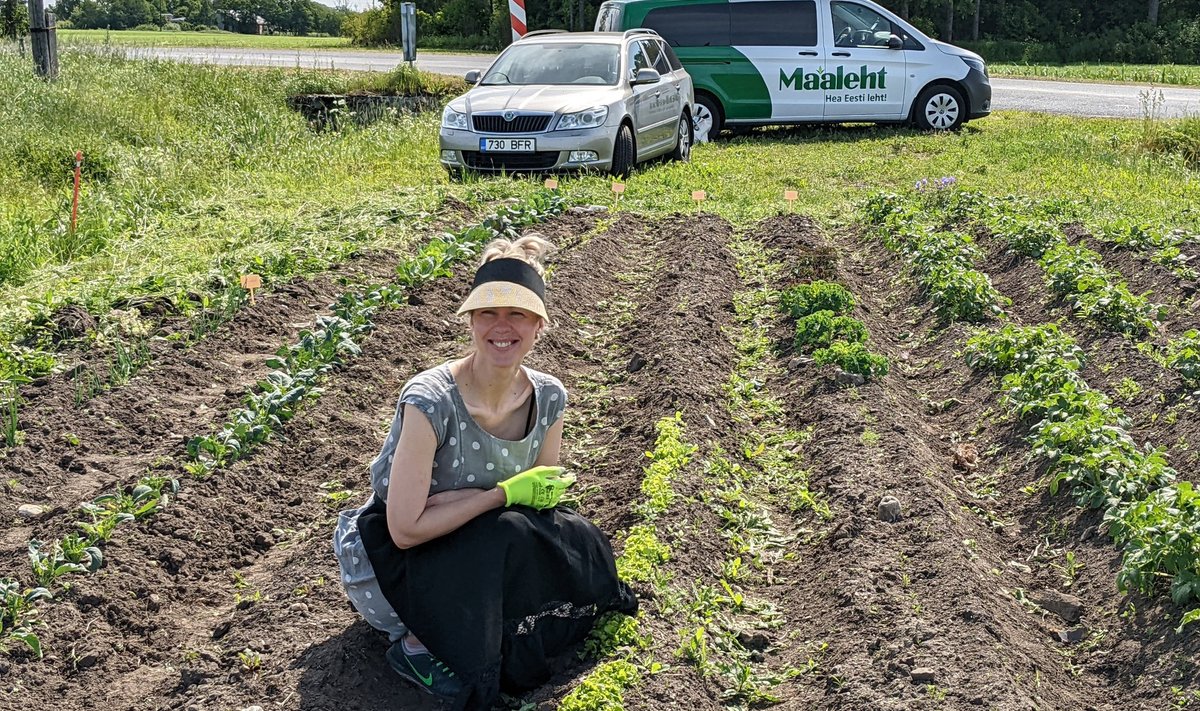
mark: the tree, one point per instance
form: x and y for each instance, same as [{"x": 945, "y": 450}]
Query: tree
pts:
[
  {"x": 1152, "y": 12},
  {"x": 14, "y": 19}
]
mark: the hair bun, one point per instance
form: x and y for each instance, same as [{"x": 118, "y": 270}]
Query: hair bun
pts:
[{"x": 531, "y": 249}]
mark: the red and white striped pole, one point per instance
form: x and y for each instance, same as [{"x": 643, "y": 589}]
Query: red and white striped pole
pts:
[{"x": 516, "y": 11}]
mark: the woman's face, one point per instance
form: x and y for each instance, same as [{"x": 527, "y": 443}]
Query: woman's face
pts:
[{"x": 502, "y": 336}]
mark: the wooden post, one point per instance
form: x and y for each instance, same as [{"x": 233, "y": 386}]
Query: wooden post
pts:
[{"x": 41, "y": 39}]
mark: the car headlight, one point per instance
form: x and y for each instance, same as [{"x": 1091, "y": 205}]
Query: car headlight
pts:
[
  {"x": 975, "y": 64},
  {"x": 583, "y": 119},
  {"x": 453, "y": 119}
]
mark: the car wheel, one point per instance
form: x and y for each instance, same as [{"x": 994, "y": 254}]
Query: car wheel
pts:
[
  {"x": 683, "y": 139},
  {"x": 708, "y": 119},
  {"x": 622, "y": 160},
  {"x": 939, "y": 108}
]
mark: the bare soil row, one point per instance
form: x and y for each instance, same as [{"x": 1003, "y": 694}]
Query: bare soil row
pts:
[{"x": 923, "y": 612}]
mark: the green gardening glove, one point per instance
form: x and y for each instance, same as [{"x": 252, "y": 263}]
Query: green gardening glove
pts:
[{"x": 540, "y": 487}]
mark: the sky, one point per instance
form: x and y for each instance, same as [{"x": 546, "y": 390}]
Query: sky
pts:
[{"x": 352, "y": 4}]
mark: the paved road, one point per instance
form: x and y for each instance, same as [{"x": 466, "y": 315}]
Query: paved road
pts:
[{"x": 1070, "y": 98}]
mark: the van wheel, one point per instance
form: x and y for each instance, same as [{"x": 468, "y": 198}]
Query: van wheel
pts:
[
  {"x": 939, "y": 108},
  {"x": 708, "y": 119},
  {"x": 622, "y": 160},
  {"x": 683, "y": 139}
]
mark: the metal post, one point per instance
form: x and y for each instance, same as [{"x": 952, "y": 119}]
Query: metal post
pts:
[
  {"x": 41, "y": 40},
  {"x": 408, "y": 30}
]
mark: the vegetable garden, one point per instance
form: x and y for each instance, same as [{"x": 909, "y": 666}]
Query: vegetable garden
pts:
[{"x": 930, "y": 447}]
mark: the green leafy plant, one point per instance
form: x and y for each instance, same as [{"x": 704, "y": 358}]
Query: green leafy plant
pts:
[
  {"x": 603, "y": 689},
  {"x": 800, "y": 301},
  {"x": 18, "y": 615},
  {"x": 852, "y": 358},
  {"x": 1183, "y": 356},
  {"x": 821, "y": 328}
]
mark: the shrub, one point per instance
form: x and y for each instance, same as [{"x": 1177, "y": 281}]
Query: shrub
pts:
[
  {"x": 147, "y": 27},
  {"x": 800, "y": 301},
  {"x": 822, "y": 328},
  {"x": 852, "y": 358}
]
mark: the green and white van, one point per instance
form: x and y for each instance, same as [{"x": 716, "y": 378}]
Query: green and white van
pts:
[{"x": 760, "y": 62}]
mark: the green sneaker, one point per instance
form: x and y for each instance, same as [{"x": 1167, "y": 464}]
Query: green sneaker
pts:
[{"x": 424, "y": 670}]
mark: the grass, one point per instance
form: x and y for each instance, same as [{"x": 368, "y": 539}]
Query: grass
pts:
[
  {"x": 185, "y": 189},
  {"x": 217, "y": 39},
  {"x": 140, "y": 38},
  {"x": 1173, "y": 74}
]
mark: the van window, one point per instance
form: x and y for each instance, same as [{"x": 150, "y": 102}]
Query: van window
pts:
[
  {"x": 775, "y": 23},
  {"x": 608, "y": 19},
  {"x": 704, "y": 25},
  {"x": 857, "y": 25}
]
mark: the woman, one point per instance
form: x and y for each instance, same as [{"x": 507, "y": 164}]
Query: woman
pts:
[{"x": 460, "y": 555}]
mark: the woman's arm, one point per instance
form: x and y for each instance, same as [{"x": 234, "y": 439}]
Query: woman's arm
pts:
[
  {"x": 552, "y": 446},
  {"x": 410, "y": 521}
]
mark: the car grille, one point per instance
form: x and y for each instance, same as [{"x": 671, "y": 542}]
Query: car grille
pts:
[
  {"x": 520, "y": 124},
  {"x": 510, "y": 161}
]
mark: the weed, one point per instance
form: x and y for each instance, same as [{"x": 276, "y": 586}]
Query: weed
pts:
[{"x": 868, "y": 438}]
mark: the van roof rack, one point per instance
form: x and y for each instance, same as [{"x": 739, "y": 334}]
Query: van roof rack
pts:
[
  {"x": 641, "y": 31},
  {"x": 542, "y": 32}
]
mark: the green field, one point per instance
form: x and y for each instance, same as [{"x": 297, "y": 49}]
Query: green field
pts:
[
  {"x": 137, "y": 38},
  {"x": 1173, "y": 74},
  {"x": 218, "y": 175}
]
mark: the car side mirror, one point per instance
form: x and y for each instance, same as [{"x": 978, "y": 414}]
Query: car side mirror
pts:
[
  {"x": 472, "y": 77},
  {"x": 646, "y": 76},
  {"x": 894, "y": 42}
]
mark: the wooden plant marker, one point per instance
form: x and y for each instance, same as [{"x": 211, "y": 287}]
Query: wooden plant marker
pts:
[
  {"x": 551, "y": 184},
  {"x": 790, "y": 196},
  {"x": 699, "y": 196},
  {"x": 251, "y": 282},
  {"x": 618, "y": 190}
]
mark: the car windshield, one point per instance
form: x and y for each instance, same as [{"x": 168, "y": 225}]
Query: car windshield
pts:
[{"x": 556, "y": 63}]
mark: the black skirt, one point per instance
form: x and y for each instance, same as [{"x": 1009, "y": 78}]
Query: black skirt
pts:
[{"x": 506, "y": 599}]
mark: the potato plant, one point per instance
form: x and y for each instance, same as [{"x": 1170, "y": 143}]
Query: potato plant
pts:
[
  {"x": 1155, "y": 518},
  {"x": 1163, "y": 247},
  {"x": 940, "y": 260},
  {"x": 1183, "y": 356}
]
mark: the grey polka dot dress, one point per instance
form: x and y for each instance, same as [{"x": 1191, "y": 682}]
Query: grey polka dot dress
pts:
[{"x": 467, "y": 457}]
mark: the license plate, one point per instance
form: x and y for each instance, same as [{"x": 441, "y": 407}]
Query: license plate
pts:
[{"x": 508, "y": 145}]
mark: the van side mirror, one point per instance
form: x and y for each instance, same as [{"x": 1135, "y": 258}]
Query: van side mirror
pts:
[
  {"x": 472, "y": 77},
  {"x": 894, "y": 42},
  {"x": 646, "y": 76}
]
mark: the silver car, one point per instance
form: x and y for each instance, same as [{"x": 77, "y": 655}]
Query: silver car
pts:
[{"x": 572, "y": 101}]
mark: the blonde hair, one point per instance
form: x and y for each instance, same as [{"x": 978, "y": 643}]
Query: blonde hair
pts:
[{"x": 531, "y": 249}]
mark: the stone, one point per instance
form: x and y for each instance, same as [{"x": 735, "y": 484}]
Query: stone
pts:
[
  {"x": 253, "y": 708},
  {"x": 87, "y": 661},
  {"x": 30, "y": 511},
  {"x": 1073, "y": 636},
  {"x": 845, "y": 378},
  {"x": 636, "y": 363},
  {"x": 889, "y": 509},
  {"x": 299, "y": 607},
  {"x": 1019, "y": 566},
  {"x": 1068, "y": 607},
  {"x": 263, "y": 541},
  {"x": 154, "y": 602},
  {"x": 923, "y": 675}
]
